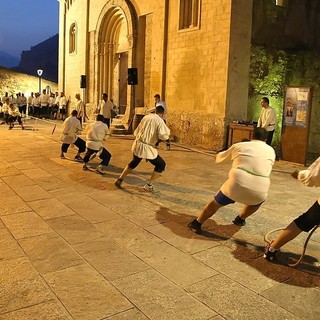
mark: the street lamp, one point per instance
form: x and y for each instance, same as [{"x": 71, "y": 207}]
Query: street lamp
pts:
[{"x": 40, "y": 71}]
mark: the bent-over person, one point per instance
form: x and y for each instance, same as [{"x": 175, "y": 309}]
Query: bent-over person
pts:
[
  {"x": 248, "y": 182},
  {"x": 151, "y": 129},
  {"x": 70, "y": 128}
]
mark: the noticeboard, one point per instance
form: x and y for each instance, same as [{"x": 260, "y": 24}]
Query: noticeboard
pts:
[{"x": 295, "y": 124}]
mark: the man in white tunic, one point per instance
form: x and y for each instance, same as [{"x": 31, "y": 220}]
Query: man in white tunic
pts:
[
  {"x": 150, "y": 130},
  {"x": 70, "y": 128},
  {"x": 267, "y": 119},
  {"x": 248, "y": 181},
  {"x": 97, "y": 132}
]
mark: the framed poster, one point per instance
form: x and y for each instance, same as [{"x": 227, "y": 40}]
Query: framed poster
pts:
[{"x": 295, "y": 125}]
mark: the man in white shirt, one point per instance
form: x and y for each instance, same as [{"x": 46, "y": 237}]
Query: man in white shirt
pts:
[
  {"x": 150, "y": 130},
  {"x": 105, "y": 109},
  {"x": 62, "y": 106},
  {"x": 80, "y": 108},
  {"x": 267, "y": 119},
  {"x": 44, "y": 104},
  {"x": 97, "y": 132},
  {"x": 248, "y": 180},
  {"x": 70, "y": 128}
]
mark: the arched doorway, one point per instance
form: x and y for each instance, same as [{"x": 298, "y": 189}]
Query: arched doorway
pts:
[{"x": 115, "y": 53}]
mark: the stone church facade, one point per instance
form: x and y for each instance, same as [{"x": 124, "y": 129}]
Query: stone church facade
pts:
[{"x": 194, "y": 53}]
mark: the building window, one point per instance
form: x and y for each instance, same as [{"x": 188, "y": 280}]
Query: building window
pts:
[
  {"x": 72, "y": 38},
  {"x": 189, "y": 11}
]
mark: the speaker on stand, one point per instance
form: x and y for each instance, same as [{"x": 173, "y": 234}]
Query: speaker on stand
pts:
[
  {"x": 132, "y": 81},
  {"x": 83, "y": 86}
]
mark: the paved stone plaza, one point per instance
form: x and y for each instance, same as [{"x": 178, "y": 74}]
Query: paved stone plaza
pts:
[{"x": 73, "y": 246}]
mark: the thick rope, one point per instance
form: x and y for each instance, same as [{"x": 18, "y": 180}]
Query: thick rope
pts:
[{"x": 266, "y": 239}]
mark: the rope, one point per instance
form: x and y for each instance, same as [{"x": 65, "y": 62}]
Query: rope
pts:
[{"x": 266, "y": 239}]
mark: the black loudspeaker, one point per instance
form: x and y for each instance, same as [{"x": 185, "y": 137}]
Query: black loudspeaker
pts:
[
  {"x": 132, "y": 76},
  {"x": 83, "y": 81}
]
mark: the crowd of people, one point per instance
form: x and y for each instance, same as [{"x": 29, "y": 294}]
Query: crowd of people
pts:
[{"x": 248, "y": 180}]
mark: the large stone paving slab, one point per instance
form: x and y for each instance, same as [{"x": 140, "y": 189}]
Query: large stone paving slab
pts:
[
  {"x": 50, "y": 208},
  {"x": 86, "y": 294},
  {"x": 158, "y": 254},
  {"x": 294, "y": 295},
  {"x": 12, "y": 204},
  {"x": 19, "y": 181},
  {"x": 91, "y": 210},
  {"x": 9, "y": 248},
  {"x": 21, "y": 286},
  {"x": 233, "y": 301},
  {"x": 158, "y": 298},
  {"x": 51, "y": 310},
  {"x": 50, "y": 253},
  {"x": 111, "y": 260},
  {"x": 74, "y": 229},
  {"x": 32, "y": 193},
  {"x": 26, "y": 224},
  {"x": 129, "y": 315}
]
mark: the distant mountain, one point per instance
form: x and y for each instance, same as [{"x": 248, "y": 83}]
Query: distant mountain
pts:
[
  {"x": 7, "y": 60},
  {"x": 41, "y": 56}
]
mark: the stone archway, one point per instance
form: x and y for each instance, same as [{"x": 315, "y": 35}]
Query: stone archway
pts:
[{"x": 115, "y": 52}]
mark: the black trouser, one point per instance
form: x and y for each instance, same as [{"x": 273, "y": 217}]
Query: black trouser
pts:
[
  {"x": 12, "y": 119},
  {"x": 309, "y": 219},
  {"x": 105, "y": 156},
  {"x": 269, "y": 137},
  {"x": 158, "y": 162},
  {"x": 107, "y": 121},
  {"x": 78, "y": 143}
]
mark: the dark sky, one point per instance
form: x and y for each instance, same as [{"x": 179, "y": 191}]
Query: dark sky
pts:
[{"x": 25, "y": 23}]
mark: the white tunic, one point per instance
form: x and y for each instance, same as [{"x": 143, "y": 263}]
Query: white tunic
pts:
[
  {"x": 311, "y": 176},
  {"x": 248, "y": 180},
  {"x": 97, "y": 132},
  {"x": 150, "y": 130},
  {"x": 70, "y": 127}
]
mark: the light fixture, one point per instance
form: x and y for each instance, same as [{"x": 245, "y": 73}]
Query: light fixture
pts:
[{"x": 280, "y": 3}]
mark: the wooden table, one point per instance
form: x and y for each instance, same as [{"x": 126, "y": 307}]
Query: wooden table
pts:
[{"x": 238, "y": 132}]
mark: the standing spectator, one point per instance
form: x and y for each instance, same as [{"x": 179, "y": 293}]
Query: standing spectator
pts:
[
  {"x": 248, "y": 181},
  {"x": 62, "y": 106},
  {"x": 5, "y": 97},
  {"x": 30, "y": 104},
  {"x": 80, "y": 108},
  {"x": 55, "y": 107},
  {"x": 150, "y": 130},
  {"x": 70, "y": 128},
  {"x": 5, "y": 109},
  {"x": 97, "y": 132},
  {"x": 105, "y": 109},
  {"x": 267, "y": 119},
  {"x": 23, "y": 106},
  {"x": 44, "y": 104},
  {"x": 36, "y": 104}
]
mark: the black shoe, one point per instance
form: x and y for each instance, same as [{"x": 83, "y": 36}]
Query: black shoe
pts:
[
  {"x": 270, "y": 255},
  {"x": 239, "y": 222},
  {"x": 118, "y": 182},
  {"x": 195, "y": 225}
]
